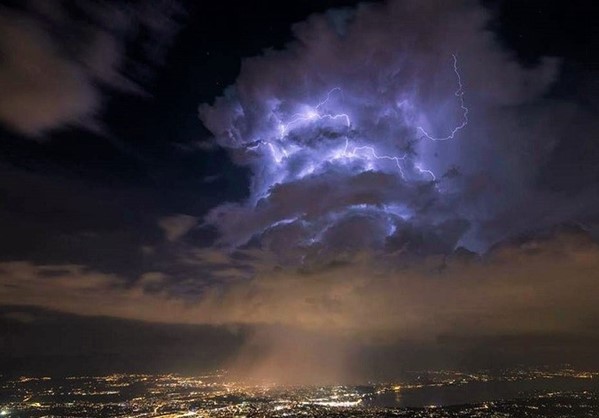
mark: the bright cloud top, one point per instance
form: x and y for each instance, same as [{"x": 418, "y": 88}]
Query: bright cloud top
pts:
[{"x": 382, "y": 127}]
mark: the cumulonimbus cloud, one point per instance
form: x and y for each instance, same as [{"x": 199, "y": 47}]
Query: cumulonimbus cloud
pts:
[{"x": 392, "y": 121}]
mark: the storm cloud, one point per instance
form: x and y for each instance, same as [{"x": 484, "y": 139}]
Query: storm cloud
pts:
[
  {"x": 366, "y": 120},
  {"x": 396, "y": 153}
]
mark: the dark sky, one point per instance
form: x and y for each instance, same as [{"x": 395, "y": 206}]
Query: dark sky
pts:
[{"x": 217, "y": 182}]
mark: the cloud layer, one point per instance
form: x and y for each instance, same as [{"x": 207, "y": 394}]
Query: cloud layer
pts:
[
  {"x": 542, "y": 285},
  {"x": 58, "y": 55}
]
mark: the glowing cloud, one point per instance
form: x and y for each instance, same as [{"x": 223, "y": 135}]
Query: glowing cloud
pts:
[{"x": 360, "y": 115}]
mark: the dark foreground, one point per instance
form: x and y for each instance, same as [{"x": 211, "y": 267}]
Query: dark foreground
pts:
[{"x": 514, "y": 393}]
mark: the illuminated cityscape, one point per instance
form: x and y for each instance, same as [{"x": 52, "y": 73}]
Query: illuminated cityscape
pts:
[{"x": 511, "y": 393}]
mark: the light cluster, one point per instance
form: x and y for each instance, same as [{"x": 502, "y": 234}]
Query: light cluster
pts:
[{"x": 218, "y": 395}]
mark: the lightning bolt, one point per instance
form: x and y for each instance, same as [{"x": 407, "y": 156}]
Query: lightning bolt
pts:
[
  {"x": 374, "y": 155},
  {"x": 334, "y": 89},
  {"x": 314, "y": 114},
  {"x": 423, "y": 170},
  {"x": 460, "y": 95}
]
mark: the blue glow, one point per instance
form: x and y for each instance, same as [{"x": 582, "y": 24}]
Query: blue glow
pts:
[
  {"x": 460, "y": 95},
  {"x": 313, "y": 117},
  {"x": 298, "y": 142}
]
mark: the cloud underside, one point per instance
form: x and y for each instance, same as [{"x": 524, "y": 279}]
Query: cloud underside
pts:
[{"x": 545, "y": 286}]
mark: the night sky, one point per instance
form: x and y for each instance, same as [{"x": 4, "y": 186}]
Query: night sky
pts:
[{"x": 187, "y": 185}]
